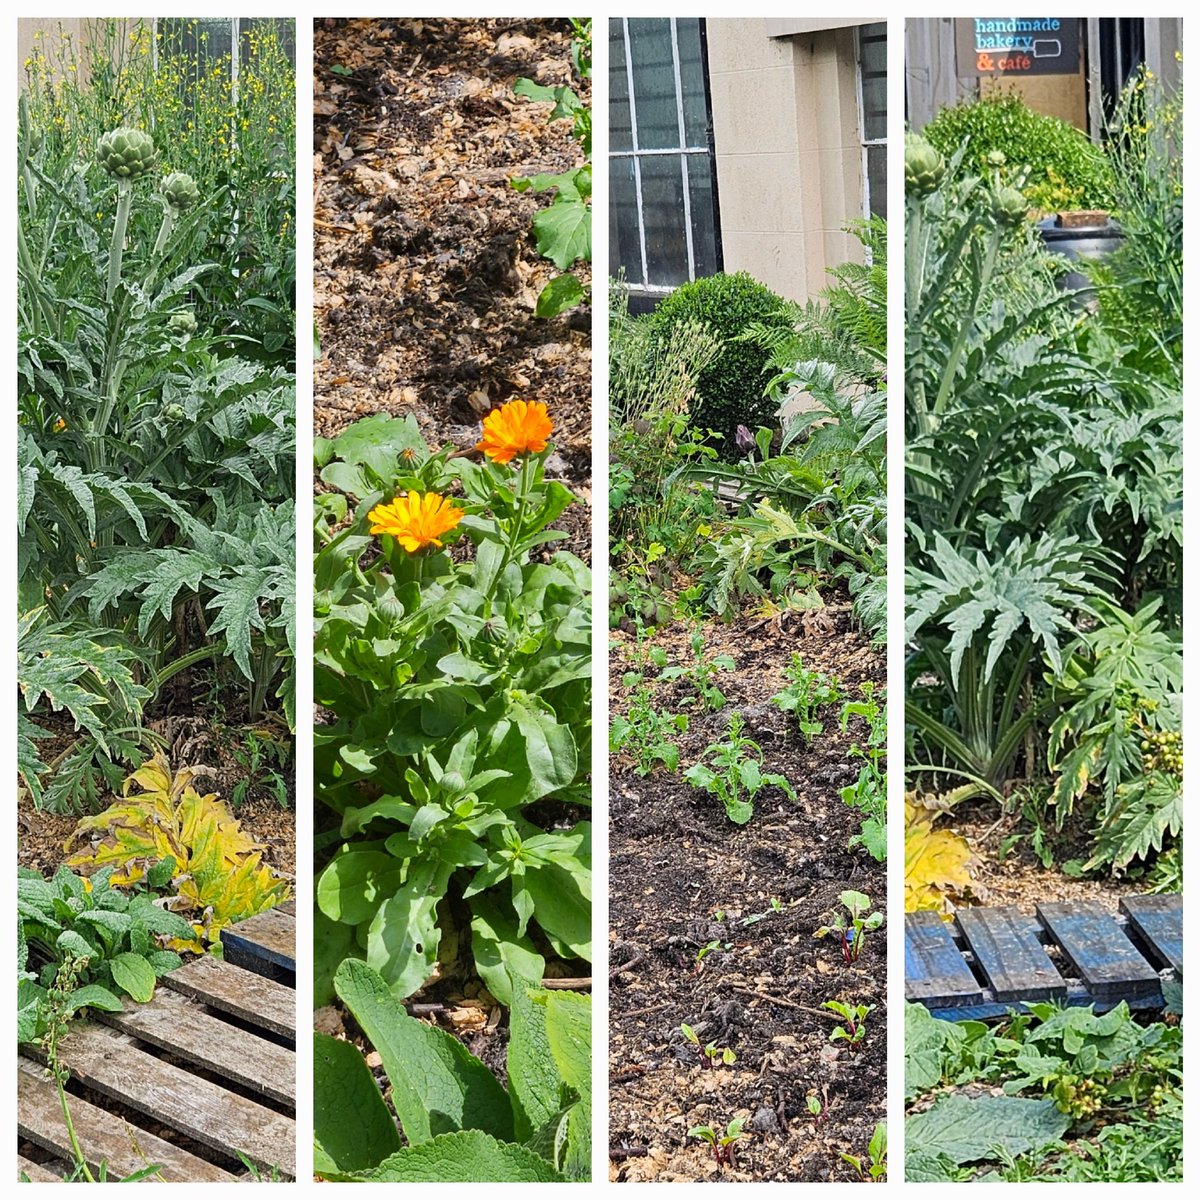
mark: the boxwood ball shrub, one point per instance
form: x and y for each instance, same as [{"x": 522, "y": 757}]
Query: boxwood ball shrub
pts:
[
  {"x": 730, "y": 391},
  {"x": 1065, "y": 170}
]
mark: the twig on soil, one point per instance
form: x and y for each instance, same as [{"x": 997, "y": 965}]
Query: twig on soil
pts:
[
  {"x": 812, "y": 1012},
  {"x": 582, "y": 984},
  {"x": 624, "y": 1076},
  {"x": 621, "y": 1153},
  {"x": 336, "y": 228},
  {"x": 635, "y": 961},
  {"x": 641, "y": 1012}
]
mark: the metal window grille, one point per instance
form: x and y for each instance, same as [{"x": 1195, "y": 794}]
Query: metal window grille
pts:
[
  {"x": 660, "y": 158},
  {"x": 872, "y": 116}
]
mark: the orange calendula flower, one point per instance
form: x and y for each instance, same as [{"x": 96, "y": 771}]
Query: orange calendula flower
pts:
[
  {"x": 59, "y": 425},
  {"x": 416, "y": 520},
  {"x": 515, "y": 428}
]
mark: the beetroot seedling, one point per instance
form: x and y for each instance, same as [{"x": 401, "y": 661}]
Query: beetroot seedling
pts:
[
  {"x": 855, "y": 1016},
  {"x": 874, "y": 1168},
  {"x": 818, "y": 1104},
  {"x": 852, "y": 929},
  {"x": 721, "y": 1143},
  {"x": 711, "y": 1053}
]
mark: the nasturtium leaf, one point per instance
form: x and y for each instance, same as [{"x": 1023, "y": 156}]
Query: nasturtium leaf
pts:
[
  {"x": 438, "y": 1086},
  {"x": 560, "y": 294},
  {"x": 352, "y": 1128}
]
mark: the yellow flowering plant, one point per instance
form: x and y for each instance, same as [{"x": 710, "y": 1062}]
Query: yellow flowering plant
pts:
[{"x": 455, "y": 679}]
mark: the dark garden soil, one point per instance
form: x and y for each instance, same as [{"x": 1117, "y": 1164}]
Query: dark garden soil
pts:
[
  {"x": 682, "y": 876},
  {"x": 426, "y": 271},
  {"x": 1016, "y": 875}
]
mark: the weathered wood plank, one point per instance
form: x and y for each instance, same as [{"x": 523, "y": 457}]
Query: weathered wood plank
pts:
[
  {"x": 1006, "y": 947},
  {"x": 265, "y": 943},
  {"x": 231, "y": 989},
  {"x": 935, "y": 971},
  {"x": 1097, "y": 949},
  {"x": 1157, "y": 925},
  {"x": 102, "y": 1136},
  {"x": 173, "y": 1022},
  {"x": 34, "y": 1172},
  {"x": 106, "y": 1063}
]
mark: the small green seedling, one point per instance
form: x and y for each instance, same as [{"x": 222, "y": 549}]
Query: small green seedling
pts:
[
  {"x": 738, "y": 776},
  {"x": 709, "y": 947},
  {"x": 852, "y": 932},
  {"x": 855, "y": 1016},
  {"x": 874, "y": 1169},
  {"x": 806, "y": 693},
  {"x": 711, "y": 1054},
  {"x": 818, "y": 1104},
  {"x": 646, "y": 732},
  {"x": 701, "y": 675},
  {"x": 754, "y": 918},
  {"x": 722, "y": 1144}
]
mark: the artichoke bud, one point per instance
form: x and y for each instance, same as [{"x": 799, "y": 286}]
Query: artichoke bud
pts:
[
  {"x": 126, "y": 153},
  {"x": 182, "y": 323},
  {"x": 1009, "y": 207},
  {"x": 996, "y": 158},
  {"x": 180, "y": 190},
  {"x": 924, "y": 167},
  {"x": 173, "y": 413}
]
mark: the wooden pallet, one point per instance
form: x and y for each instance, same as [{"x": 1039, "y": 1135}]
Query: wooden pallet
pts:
[
  {"x": 211, "y": 1058},
  {"x": 265, "y": 944},
  {"x": 994, "y": 960}
]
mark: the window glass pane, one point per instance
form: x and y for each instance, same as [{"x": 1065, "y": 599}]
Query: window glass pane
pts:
[
  {"x": 620, "y": 135},
  {"x": 873, "y": 64},
  {"x": 654, "y": 102},
  {"x": 704, "y": 242},
  {"x": 877, "y": 180},
  {"x": 624, "y": 249},
  {"x": 662, "y": 212},
  {"x": 691, "y": 76}
]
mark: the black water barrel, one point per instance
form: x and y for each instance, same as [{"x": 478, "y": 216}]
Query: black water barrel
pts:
[{"x": 1094, "y": 238}]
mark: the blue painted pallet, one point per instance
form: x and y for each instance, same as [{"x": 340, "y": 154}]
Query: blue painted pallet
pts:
[{"x": 992, "y": 961}]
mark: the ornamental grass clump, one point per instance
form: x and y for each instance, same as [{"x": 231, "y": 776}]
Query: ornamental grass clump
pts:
[{"x": 452, "y": 657}]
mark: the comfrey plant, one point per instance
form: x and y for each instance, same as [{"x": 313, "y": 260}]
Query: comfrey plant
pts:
[{"x": 457, "y": 690}]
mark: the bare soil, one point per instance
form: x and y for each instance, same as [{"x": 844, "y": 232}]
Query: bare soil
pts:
[{"x": 682, "y": 877}]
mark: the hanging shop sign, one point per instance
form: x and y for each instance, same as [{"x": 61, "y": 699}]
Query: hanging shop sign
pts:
[{"x": 1017, "y": 45}]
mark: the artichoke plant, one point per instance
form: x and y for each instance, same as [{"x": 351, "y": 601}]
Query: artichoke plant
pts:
[
  {"x": 126, "y": 153},
  {"x": 183, "y": 324},
  {"x": 180, "y": 190},
  {"x": 924, "y": 167},
  {"x": 1009, "y": 207}
]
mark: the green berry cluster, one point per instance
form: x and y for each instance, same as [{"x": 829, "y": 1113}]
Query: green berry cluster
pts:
[
  {"x": 1081, "y": 1098},
  {"x": 1162, "y": 750}
]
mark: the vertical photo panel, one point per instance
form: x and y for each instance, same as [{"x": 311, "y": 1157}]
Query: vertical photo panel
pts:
[
  {"x": 452, "y": 600},
  {"x": 156, "y": 568},
  {"x": 1043, "y": 594},
  {"x": 747, "y": 493}
]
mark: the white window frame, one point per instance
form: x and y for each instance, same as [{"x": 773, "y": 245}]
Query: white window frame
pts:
[
  {"x": 636, "y": 153},
  {"x": 865, "y": 143}
]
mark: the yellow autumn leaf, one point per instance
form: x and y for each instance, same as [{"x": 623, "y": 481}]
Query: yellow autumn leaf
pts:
[
  {"x": 936, "y": 861},
  {"x": 219, "y": 876}
]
